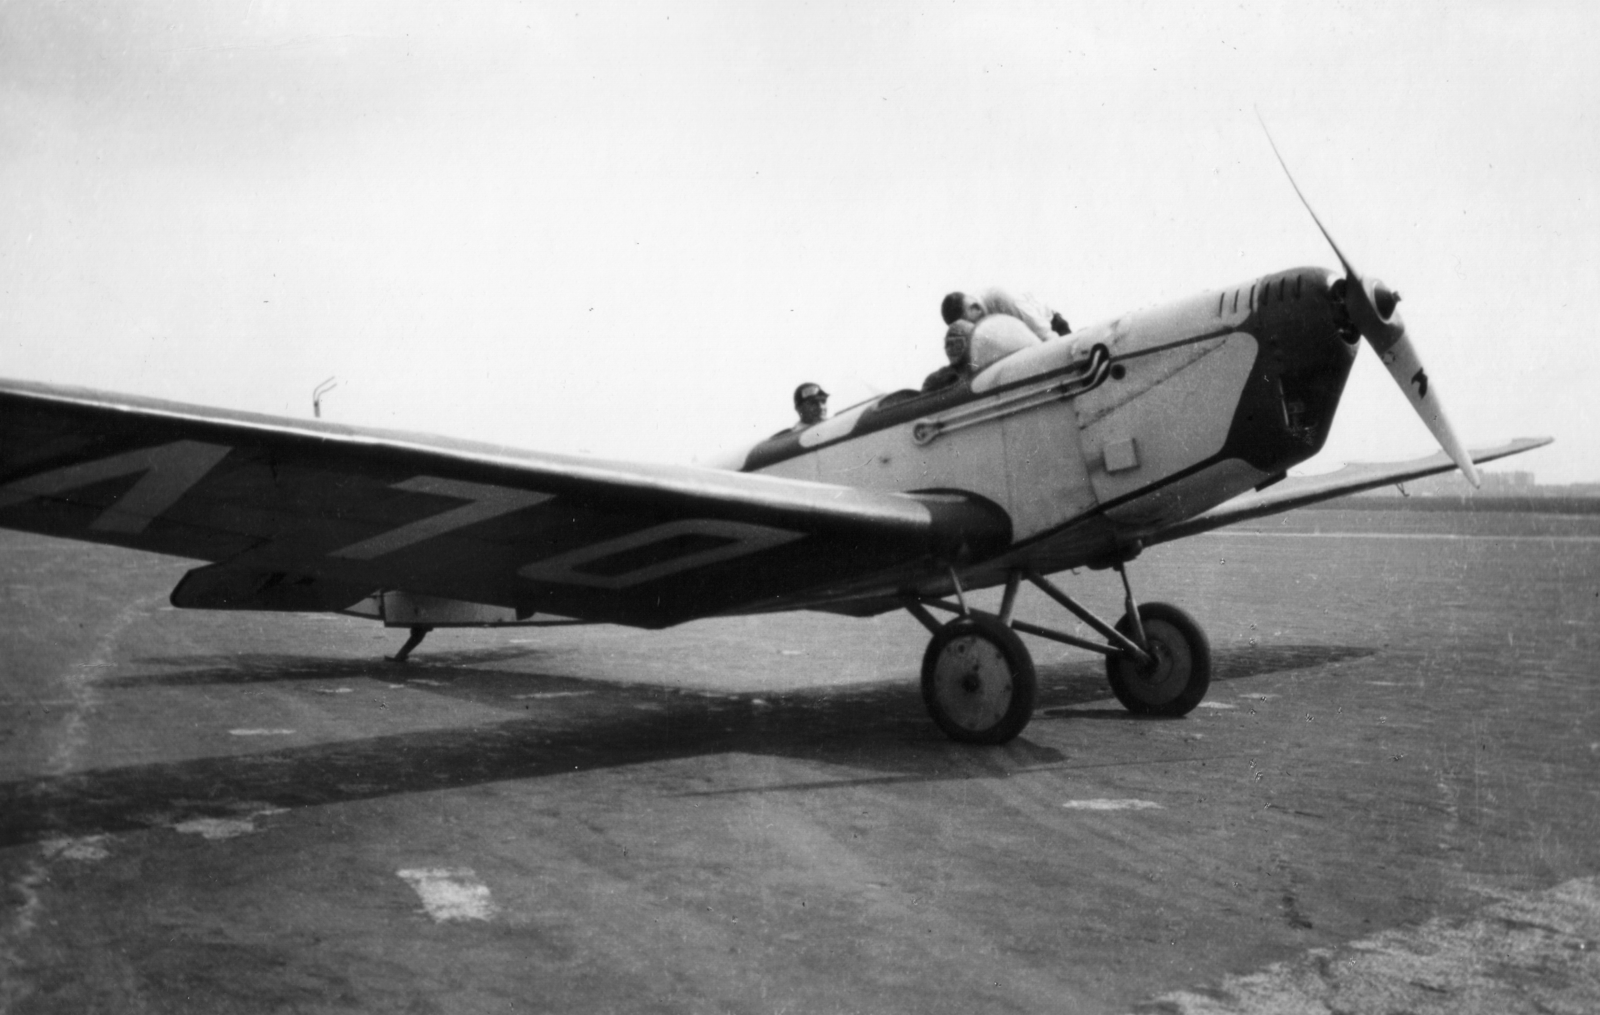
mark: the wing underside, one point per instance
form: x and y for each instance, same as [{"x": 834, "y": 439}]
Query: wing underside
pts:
[{"x": 1299, "y": 491}]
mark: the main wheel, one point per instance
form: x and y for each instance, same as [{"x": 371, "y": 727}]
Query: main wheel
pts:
[
  {"x": 1180, "y": 669},
  {"x": 978, "y": 681}
]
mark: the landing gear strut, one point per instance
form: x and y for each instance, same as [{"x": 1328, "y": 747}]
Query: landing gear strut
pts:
[
  {"x": 978, "y": 678},
  {"x": 418, "y": 632}
]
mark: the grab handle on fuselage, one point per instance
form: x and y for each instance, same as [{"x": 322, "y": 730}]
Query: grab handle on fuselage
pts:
[{"x": 1089, "y": 374}]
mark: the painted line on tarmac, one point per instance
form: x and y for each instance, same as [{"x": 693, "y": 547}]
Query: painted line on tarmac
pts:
[
  {"x": 450, "y": 894},
  {"x": 1408, "y": 535},
  {"x": 18, "y": 920},
  {"x": 1528, "y": 952}
]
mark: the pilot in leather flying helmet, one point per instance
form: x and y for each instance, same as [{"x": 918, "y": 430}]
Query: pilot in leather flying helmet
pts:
[{"x": 811, "y": 402}]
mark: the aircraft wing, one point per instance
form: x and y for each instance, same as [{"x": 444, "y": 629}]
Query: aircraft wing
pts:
[
  {"x": 1298, "y": 491},
  {"x": 303, "y": 515}
]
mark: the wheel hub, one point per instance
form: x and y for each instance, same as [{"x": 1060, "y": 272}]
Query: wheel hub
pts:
[
  {"x": 978, "y": 681},
  {"x": 1159, "y": 666}
]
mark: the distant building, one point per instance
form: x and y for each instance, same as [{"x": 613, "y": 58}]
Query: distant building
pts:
[{"x": 1501, "y": 483}]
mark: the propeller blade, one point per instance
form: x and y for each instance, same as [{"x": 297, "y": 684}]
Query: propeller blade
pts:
[
  {"x": 1372, "y": 307},
  {"x": 1349, "y": 269},
  {"x": 1403, "y": 365}
]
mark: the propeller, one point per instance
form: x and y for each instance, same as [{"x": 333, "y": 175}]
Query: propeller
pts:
[{"x": 1373, "y": 308}]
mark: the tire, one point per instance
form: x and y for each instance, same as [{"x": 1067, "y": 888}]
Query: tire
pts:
[
  {"x": 1173, "y": 684},
  {"x": 978, "y": 681}
]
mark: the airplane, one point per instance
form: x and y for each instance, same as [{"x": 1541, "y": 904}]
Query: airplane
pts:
[{"x": 1059, "y": 453}]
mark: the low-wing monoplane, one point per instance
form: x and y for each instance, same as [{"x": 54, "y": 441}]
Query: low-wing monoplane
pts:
[{"x": 1072, "y": 452}]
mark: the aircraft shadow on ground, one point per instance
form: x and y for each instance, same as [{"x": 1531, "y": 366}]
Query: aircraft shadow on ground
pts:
[
  {"x": 882, "y": 728},
  {"x": 247, "y": 668},
  {"x": 1226, "y": 665}
]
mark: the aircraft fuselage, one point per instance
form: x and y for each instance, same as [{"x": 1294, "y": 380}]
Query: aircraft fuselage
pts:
[{"x": 1092, "y": 440}]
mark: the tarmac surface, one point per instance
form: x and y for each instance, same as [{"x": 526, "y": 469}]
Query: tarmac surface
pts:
[{"x": 1389, "y": 801}]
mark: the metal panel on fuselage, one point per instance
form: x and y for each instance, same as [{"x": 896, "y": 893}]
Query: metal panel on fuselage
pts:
[
  {"x": 1171, "y": 411},
  {"x": 973, "y": 459},
  {"x": 1048, "y": 478},
  {"x": 1027, "y": 462}
]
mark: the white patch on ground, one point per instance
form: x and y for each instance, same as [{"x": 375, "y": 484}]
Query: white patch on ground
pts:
[
  {"x": 332, "y": 690},
  {"x": 552, "y": 694},
  {"x": 215, "y": 828},
  {"x": 1258, "y": 696},
  {"x": 1216, "y": 704},
  {"x": 261, "y": 733},
  {"x": 225, "y": 828},
  {"x": 1111, "y": 805},
  {"x": 430, "y": 683},
  {"x": 1529, "y": 952},
  {"x": 450, "y": 894},
  {"x": 87, "y": 848}
]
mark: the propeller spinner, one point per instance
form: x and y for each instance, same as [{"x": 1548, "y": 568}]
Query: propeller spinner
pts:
[{"x": 1373, "y": 309}]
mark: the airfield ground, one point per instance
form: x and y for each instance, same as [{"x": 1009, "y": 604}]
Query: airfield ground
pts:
[{"x": 1389, "y": 801}]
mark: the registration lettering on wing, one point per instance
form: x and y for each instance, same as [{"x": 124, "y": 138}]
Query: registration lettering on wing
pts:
[
  {"x": 657, "y": 552},
  {"x": 166, "y": 472},
  {"x": 616, "y": 563},
  {"x": 483, "y": 503}
]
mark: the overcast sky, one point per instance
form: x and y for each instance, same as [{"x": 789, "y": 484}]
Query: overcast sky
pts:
[{"x": 631, "y": 230}]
